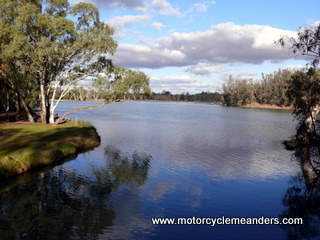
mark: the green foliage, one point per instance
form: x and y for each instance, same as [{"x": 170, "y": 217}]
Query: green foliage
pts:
[
  {"x": 304, "y": 86},
  {"x": 238, "y": 92},
  {"x": 124, "y": 83},
  {"x": 27, "y": 146},
  {"x": 201, "y": 97},
  {"x": 307, "y": 43},
  {"x": 48, "y": 46},
  {"x": 304, "y": 91},
  {"x": 40, "y": 45},
  {"x": 271, "y": 89},
  {"x": 67, "y": 149}
]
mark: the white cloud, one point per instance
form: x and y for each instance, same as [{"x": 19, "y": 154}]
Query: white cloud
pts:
[
  {"x": 204, "y": 68},
  {"x": 238, "y": 76},
  {"x": 201, "y": 6},
  {"x": 121, "y": 4},
  {"x": 165, "y": 8},
  {"x": 126, "y": 20},
  {"x": 229, "y": 43},
  {"x": 135, "y": 56},
  {"x": 158, "y": 26},
  {"x": 225, "y": 43},
  {"x": 87, "y": 82},
  {"x": 119, "y": 23},
  {"x": 295, "y": 67},
  {"x": 184, "y": 79},
  {"x": 179, "y": 84}
]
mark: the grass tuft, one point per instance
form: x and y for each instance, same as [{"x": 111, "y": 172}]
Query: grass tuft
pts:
[{"x": 81, "y": 122}]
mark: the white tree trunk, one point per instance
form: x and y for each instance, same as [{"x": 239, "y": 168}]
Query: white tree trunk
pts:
[
  {"x": 307, "y": 127},
  {"x": 52, "y": 109},
  {"x": 53, "y": 104},
  {"x": 310, "y": 120},
  {"x": 43, "y": 111}
]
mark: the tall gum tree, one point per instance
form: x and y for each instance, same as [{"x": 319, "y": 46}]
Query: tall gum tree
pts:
[
  {"x": 304, "y": 90},
  {"x": 304, "y": 87},
  {"x": 55, "y": 44}
]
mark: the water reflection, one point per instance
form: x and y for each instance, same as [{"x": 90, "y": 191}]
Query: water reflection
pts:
[
  {"x": 302, "y": 198},
  {"x": 207, "y": 161},
  {"x": 124, "y": 169},
  {"x": 61, "y": 204}
]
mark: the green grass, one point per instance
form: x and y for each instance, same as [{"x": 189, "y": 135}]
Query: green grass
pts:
[{"x": 26, "y": 146}]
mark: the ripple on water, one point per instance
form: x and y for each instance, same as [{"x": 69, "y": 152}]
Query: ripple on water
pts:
[{"x": 204, "y": 161}]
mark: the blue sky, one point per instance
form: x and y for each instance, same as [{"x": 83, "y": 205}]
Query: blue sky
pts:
[{"x": 193, "y": 46}]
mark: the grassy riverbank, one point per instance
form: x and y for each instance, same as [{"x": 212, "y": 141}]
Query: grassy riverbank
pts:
[{"x": 24, "y": 146}]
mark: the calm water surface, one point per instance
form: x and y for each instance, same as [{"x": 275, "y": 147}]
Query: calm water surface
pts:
[{"x": 159, "y": 159}]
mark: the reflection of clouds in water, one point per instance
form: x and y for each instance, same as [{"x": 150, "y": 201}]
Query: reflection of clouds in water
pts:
[
  {"x": 121, "y": 176},
  {"x": 197, "y": 194},
  {"x": 159, "y": 190},
  {"x": 197, "y": 191},
  {"x": 192, "y": 191},
  {"x": 128, "y": 172},
  {"x": 195, "y": 151},
  {"x": 222, "y": 150},
  {"x": 227, "y": 163},
  {"x": 224, "y": 141},
  {"x": 128, "y": 222}
]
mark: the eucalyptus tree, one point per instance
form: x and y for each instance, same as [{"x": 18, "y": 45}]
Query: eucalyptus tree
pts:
[
  {"x": 138, "y": 83},
  {"x": 272, "y": 88},
  {"x": 127, "y": 81},
  {"x": 304, "y": 92},
  {"x": 19, "y": 89},
  {"x": 306, "y": 44},
  {"x": 55, "y": 44},
  {"x": 238, "y": 92},
  {"x": 305, "y": 86}
]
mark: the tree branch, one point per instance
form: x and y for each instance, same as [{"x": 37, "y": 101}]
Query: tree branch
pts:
[{"x": 81, "y": 109}]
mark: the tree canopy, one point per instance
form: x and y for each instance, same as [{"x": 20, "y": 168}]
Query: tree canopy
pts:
[
  {"x": 307, "y": 43},
  {"x": 304, "y": 87},
  {"x": 46, "y": 45},
  {"x": 271, "y": 89}
]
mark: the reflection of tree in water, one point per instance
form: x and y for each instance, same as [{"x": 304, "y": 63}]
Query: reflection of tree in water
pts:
[
  {"x": 61, "y": 204},
  {"x": 56, "y": 205},
  {"x": 124, "y": 169},
  {"x": 302, "y": 200}
]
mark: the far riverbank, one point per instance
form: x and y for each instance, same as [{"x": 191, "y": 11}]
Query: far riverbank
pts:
[
  {"x": 266, "y": 106},
  {"x": 251, "y": 105}
]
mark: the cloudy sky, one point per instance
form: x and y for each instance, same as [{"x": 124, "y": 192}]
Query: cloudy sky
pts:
[{"x": 185, "y": 45}]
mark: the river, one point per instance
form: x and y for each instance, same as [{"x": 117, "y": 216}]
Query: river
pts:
[{"x": 159, "y": 160}]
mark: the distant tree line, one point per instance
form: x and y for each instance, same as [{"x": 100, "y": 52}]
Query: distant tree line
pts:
[
  {"x": 89, "y": 93},
  {"x": 275, "y": 89},
  {"x": 201, "y": 97}
]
